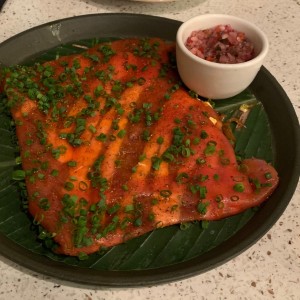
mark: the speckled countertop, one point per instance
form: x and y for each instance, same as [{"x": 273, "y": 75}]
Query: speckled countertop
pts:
[{"x": 268, "y": 270}]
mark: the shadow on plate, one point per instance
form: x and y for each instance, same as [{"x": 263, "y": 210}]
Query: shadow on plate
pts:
[{"x": 148, "y": 7}]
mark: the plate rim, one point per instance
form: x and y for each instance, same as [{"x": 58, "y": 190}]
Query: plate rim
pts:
[{"x": 182, "y": 270}]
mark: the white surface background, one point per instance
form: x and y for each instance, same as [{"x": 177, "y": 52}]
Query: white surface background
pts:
[{"x": 268, "y": 270}]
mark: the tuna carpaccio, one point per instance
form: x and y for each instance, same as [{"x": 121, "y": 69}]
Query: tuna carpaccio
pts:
[{"x": 113, "y": 146}]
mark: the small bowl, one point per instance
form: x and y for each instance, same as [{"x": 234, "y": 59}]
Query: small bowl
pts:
[{"x": 216, "y": 80}]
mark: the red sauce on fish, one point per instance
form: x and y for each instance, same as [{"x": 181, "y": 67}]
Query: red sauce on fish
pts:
[{"x": 113, "y": 146}]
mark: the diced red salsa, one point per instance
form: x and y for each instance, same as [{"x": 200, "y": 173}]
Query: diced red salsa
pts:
[{"x": 221, "y": 44}]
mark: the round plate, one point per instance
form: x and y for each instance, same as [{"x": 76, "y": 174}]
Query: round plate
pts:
[{"x": 278, "y": 107}]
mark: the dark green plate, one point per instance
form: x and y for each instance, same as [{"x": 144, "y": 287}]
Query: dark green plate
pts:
[{"x": 167, "y": 254}]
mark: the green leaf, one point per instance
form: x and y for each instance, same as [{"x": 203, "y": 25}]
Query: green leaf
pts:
[{"x": 161, "y": 247}]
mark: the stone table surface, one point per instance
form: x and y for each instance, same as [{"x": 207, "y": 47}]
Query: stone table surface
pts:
[{"x": 270, "y": 269}]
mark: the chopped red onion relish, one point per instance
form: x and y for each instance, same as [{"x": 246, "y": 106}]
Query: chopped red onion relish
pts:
[{"x": 221, "y": 44}]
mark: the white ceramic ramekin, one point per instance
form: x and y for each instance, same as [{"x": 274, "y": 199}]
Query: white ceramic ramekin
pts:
[{"x": 215, "y": 80}]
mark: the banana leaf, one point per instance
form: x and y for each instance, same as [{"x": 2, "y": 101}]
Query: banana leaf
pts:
[{"x": 162, "y": 247}]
